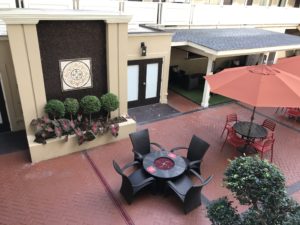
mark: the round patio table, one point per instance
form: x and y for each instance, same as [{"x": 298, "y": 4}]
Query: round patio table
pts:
[
  {"x": 257, "y": 131},
  {"x": 164, "y": 164}
]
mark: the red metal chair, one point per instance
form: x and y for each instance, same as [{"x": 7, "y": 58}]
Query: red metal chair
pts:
[
  {"x": 293, "y": 113},
  {"x": 233, "y": 140},
  {"x": 270, "y": 125},
  {"x": 230, "y": 120},
  {"x": 264, "y": 146}
]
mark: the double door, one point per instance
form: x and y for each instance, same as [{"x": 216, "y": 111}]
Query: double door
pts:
[
  {"x": 4, "y": 122},
  {"x": 144, "y": 81}
]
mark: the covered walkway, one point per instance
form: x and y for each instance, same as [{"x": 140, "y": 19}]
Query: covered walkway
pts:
[{"x": 260, "y": 46}]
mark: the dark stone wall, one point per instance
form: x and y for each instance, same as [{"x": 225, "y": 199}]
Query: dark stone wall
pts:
[{"x": 60, "y": 40}]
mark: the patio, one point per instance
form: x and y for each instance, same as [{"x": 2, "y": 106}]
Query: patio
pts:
[{"x": 83, "y": 188}]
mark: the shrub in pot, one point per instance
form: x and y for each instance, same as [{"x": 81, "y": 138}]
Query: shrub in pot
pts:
[
  {"x": 110, "y": 102},
  {"x": 259, "y": 185},
  {"x": 71, "y": 106},
  {"x": 55, "y": 108},
  {"x": 90, "y": 104}
]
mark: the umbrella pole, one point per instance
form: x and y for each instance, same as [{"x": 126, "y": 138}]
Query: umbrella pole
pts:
[{"x": 251, "y": 122}]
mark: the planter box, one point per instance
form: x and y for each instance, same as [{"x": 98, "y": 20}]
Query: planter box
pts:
[{"x": 58, "y": 147}]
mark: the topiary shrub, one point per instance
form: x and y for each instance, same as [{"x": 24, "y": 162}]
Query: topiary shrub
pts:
[
  {"x": 55, "y": 108},
  {"x": 110, "y": 102},
  {"x": 90, "y": 104},
  {"x": 71, "y": 106},
  {"x": 222, "y": 212},
  {"x": 261, "y": 186}
]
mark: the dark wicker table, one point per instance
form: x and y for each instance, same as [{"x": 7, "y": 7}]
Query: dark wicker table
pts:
[{"x": 164, "y": 164}]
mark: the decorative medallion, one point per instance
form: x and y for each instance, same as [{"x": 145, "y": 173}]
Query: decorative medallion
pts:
[{"x": 75, "y": 74}]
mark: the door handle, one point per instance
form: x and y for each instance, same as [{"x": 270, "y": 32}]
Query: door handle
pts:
[{"x": 144, "y": 83}]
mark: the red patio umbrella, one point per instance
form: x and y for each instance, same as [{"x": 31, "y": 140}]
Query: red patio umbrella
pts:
[
  {"x": 290, "y": 65},
  {"x": 259, "y": 86}
]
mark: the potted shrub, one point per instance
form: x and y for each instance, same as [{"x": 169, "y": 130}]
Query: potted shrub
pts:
[
  {"x": 110, "y": 103},
  {"x": 55, "y": 109},
  {"x": 71, "y": 106},
  {"x": 90, "y": 104},
  {"x": 259, "y": 185}
]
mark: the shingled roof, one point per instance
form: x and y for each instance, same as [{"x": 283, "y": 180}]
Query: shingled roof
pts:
[{"x": 234, "y": 38}]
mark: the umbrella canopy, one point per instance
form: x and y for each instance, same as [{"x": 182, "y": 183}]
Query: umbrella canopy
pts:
[
  {"x": 260, "y": 86},
  {"x": 290, "y": 65}
]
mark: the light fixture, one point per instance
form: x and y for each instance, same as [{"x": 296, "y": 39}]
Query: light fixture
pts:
[{"x": 143, "y": 49}]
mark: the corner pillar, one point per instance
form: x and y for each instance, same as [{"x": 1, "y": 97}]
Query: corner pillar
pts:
[
  {"x": 25, "y": 52},
  {"x": 206, "y": 91},
  {"x": 117, "y": 41}
]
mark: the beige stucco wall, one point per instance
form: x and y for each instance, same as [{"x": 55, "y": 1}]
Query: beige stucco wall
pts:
[
  {"x": 158, "y": 46},
  {"x": 190, "y": 66},
  {"x": 23, "y": 42},
  {"x": 30, "y": 76},
  {"x": 10, "y": 87},
  {"x": 117, "y": 46}
]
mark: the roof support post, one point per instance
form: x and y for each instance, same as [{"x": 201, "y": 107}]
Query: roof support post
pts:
[
  {"x": 272, "y": 59},
  {"x": 206, "y": 91}
]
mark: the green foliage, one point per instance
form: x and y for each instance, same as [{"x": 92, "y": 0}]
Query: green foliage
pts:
[
  {"x": 85, "y": 129},
  {"x": 222, "y": 212},
  {"x": 55, "y": 108},
  {"x": 90, "y": 104},
  {"x": 110, "y": 102},
  {"x": 293, "y": 218},
  {"x": 253, "y": 180},
  {"x": 261, "y": 186},
  {"x": 71, "y": 106}
]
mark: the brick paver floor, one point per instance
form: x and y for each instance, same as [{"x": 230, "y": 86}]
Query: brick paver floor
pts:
[{"x": 83, "y": 188}]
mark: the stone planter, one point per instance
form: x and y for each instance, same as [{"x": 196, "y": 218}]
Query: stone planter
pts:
[{"x": 58, "y": 147}]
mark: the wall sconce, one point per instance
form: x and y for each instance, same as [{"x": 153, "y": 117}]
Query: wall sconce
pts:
[{"x": 143, "y": 49}]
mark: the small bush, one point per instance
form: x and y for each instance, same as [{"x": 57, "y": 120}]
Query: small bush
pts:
[
  {"x": 110, "y": 102},
  {"x": 71, "y": 106},
  {"x": 222, "y": 212},
  {"x": 55, "y": 108},
  {"x": 261, "y": 186},
  {"x": 90, "y": 104}
]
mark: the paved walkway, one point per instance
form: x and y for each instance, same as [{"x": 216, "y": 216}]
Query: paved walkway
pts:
[{"x": 83, "y": 188}]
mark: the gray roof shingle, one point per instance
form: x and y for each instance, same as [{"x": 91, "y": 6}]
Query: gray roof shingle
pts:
[{"x": 234, "y": 38}]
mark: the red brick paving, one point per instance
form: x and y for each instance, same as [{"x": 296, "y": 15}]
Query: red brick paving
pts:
[
  {"x": 68, "y": 191},
  {"x": 60, "y": 191}
]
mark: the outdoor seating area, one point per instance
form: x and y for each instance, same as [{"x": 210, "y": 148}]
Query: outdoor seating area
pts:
[
  {"x": 164, "y": 170},
  {"x": 146, "y": 118},
  {"x": 290, "y": 113},
  {"x": 184, "y": 80},
  {"x": 249, "y": 138},
  {"x": 86, "y": 186}
]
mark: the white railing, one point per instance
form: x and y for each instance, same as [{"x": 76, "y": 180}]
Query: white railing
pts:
[
  {"x": 7, "y": 4},
  {"x": 202, "y": 14},
  {"x": 175, "y": 14},
  {"x": 102, "y": 5},
  {"x": 49, "y": 4},
  {"x": 244, "y": 15},
  {"x": 142, "y": 12}
]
